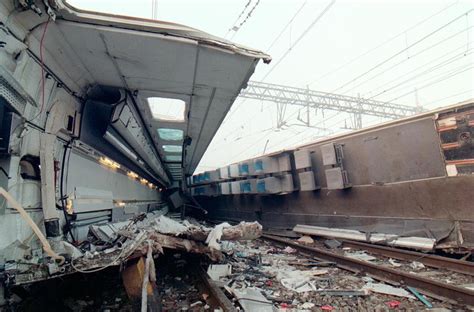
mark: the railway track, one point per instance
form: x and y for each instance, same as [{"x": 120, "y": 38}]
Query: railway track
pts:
[
  {"x": 463, "y": 267},
  {"x": 424, "y": 285}
]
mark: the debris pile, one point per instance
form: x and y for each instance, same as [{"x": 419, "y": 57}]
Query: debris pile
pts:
[
  {"x": 112, "y": 244},
  {"x": 259, "y": 276}
]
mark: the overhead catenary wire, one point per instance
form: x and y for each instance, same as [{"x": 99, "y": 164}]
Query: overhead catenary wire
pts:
[
  {"x": 305, "y": 32},
  {"x": 450, "y": 75},
  {"x": 450, "y": 37},
  {"x": 251, "y": 145},
  {"x": 230, "y": 159},
  {"x": 411, "y": 56},
  {"x": 417, "y": 68},
  {"x": 249, "y": 14},
  {"x": 427, "y": 71},
  {"x": 385, "y": 42},
  {"x": 430, "y": 103},
  {"x": 270, "y": 46},
  {"x": 238, "y": 17},
  {"x": 302, "y": 35},
  {"x": 286, "y": 27},
  {"x": 403, "y": 50},
  {"x": 382, "y": 44},
  {"x": 439, "y": 75}
]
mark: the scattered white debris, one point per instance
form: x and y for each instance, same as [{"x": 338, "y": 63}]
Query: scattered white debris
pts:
[
  {"x": 415, "y": 265},
  {"x": 306, "y": 239},
  {"x": 298, "y": 284},
  {"x": 215, "y": 235},
  {"x": 166, "y": 225},
  {"x": 289, "y": 250},
  {"x": 307, "y": 305},
  {"x": 216, "y": 271},
  {"x": 71, "y": 250},
  {"x": 394, "y": 263},
  {"x": 360, "y": 255},
  {"x": 195, "y": 304},
  {"x": 468, "y": 286},
  {"x": 251, "y": 299},
  {"x": 387, "y": 290},
  {"x": 299, "y": 281}
]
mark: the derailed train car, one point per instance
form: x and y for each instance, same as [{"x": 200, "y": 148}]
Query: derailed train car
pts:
[
  {"x": 407, "y": 178},
  {"x": 83, "y": 139}
]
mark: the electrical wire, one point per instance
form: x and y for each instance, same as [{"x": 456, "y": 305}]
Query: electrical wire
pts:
[
  {"x": 329, "y": 73},
  {"x": 138, "y": 240},
  {"x": 438, "y": 75},
  {"x": 246, "y": 19},
  {"x": 406, "y": 59},
  {"x": 111, "y": 263},
  {"x": 436, "y": 81},
  {"x": 403, "y": 50},
  {"x": 427, "y": 71},
  {"x": 337, "y": 114},
  {"x": 414, "y": 70},
  {"x": 448, "y": 97},
  {"x": 303, "y": 34},
  {"x": 450, "y": 74},
  {"x": 286, "y": 27},
  {"x": 237, "y": 19},
  {"x": 287, "y": 52},
  {"x": 61, "y": 190},
  {"x": 45, "y": 28},
  {"x": 271, "y": 45}
]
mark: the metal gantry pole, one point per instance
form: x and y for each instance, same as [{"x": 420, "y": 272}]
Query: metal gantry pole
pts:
[{"x": 356, "y": 106}]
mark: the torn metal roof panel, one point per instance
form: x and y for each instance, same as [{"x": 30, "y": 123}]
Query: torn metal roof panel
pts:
[{"x": 149, "y": 59}]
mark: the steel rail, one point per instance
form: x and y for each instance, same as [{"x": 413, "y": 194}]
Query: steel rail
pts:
[
  {"x": 429, "y": 287},
  {"x": 434, "y": 261}
]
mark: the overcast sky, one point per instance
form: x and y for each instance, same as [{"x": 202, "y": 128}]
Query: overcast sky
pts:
[{"x": 424, "y": 48}]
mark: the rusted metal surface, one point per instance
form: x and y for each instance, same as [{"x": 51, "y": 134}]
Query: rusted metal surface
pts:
[
  {"x": 460, "y": 162},
  {"x": 456, "y": 135},
  {"x": 424, "y": 285},
  {"x": 459, "y": 266},
  {"x": 216, "y": 292},
  {"x": 132, "y": 278}
]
